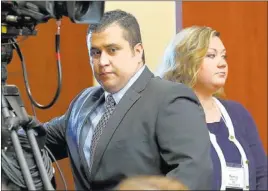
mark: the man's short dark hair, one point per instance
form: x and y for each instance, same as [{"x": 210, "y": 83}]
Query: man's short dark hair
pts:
[{"x": 126, "y": 21}]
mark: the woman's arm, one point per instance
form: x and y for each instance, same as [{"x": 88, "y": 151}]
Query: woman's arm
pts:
[{"x": 258, "y": 152}]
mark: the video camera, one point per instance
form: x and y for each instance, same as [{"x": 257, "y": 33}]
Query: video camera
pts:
[{"x": 19, "y": 18}]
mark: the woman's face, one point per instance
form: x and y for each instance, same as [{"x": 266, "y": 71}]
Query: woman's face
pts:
[{"x": 214, "y": 69}]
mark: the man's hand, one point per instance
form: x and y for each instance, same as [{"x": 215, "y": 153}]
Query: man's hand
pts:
[
  {"x": 37, "y": 126},
  {"x": 14, "y": 123}
]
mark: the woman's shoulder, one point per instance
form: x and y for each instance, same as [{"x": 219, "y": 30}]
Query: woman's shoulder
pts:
[
  {"x": 237, "y": 111},
  {"x": 233, "y": 106}
]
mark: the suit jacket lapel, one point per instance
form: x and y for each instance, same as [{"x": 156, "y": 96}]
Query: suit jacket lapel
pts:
[
  {"x": 131, "y": 96},
  {"x": 89, "y": 106},
  {"x": 94, "y": 101}
]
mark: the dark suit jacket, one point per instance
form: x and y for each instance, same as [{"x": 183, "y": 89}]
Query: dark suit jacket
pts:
[{"x": 157, "y": 128}]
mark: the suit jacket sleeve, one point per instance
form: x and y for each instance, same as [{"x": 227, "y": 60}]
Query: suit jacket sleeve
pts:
[
  {"x": 56, "y": 137},
  {"x": 56, "y": 128},
  {"x": 183, "y": 139}
]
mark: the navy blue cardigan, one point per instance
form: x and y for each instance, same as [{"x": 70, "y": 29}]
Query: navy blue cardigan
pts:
[{"x": 247, "y": 134}]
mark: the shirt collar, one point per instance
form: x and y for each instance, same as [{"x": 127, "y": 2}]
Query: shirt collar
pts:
[{"x": 118, "y": 95}]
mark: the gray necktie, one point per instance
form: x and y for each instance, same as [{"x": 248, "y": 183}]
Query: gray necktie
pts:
[{"x": 109, "y": 108}]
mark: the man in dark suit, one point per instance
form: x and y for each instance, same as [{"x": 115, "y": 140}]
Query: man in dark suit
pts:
[{"x": 133, "y": 123}]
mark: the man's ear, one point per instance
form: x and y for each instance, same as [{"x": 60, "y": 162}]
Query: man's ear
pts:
[{"x": 138, "y": 52}]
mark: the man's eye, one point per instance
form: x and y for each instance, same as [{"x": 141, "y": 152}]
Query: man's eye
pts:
[
  {"x": 95, "y": 52},
  {"x": 112, "y": 50}
]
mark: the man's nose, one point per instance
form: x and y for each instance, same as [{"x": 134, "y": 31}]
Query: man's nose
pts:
[{"x": 104, "y": 59}]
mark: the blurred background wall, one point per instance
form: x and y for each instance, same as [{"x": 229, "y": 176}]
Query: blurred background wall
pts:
[{"x": 243, "y": 27}]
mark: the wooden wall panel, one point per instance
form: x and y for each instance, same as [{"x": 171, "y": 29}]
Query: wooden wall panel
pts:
[
  {"x": 39, "y": 54},
  {"x": 243, "y": 28}
]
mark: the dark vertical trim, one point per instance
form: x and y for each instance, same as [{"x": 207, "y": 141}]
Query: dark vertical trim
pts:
[{"x": 178, "y": 15}]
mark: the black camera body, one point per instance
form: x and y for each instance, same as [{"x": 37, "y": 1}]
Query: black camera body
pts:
[{"x": 19, "y": 18}]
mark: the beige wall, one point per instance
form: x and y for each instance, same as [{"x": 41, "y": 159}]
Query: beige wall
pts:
[{"x": 157, "y": 23}]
